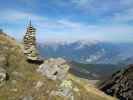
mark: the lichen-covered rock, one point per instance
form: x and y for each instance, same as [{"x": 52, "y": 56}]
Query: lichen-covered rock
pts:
[
  {"x": 65, "y": 89},
  {"x": 55, "y": 69},
  {"x": 120, "y": 84}
]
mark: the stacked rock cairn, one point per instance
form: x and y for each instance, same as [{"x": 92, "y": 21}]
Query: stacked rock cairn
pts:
[{"x": 30, "y": 48}]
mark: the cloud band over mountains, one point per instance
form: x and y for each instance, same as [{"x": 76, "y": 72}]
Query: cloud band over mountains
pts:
[{"x": 106, "y": 20}]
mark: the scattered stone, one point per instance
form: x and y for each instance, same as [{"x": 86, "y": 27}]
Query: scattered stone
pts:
[{"x": 55, "y": 69}]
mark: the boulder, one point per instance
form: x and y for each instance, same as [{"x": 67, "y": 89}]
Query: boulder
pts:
[{"x": 55, "y": 69}]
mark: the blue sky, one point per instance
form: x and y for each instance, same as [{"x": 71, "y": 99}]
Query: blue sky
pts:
[{"x": 103, "y": 20}]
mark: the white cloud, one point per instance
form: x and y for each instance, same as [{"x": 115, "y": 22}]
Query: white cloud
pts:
[
  {"x": 73, "y": 30},
  {"x": 102, "y": 7},
  {"x": 13, "y": 15},
  {"x": 68, "y": 30},
  {"x": 124, "y": 17}
]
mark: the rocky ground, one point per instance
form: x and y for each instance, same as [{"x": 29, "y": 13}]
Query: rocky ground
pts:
[
  {"x": 120, "y": 84},
  {"x": 21, "y": 80}
]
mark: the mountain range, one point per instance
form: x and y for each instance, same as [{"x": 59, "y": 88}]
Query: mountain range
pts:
[{"x": 89, "y": 52}]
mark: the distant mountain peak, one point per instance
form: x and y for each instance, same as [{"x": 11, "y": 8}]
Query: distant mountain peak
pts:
[
  {"x": 70, "y": 42},
  {"x": 87, "y": 51}
]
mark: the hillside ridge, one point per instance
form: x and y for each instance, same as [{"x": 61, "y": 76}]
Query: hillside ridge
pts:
[{"x": 22, "y": 81}]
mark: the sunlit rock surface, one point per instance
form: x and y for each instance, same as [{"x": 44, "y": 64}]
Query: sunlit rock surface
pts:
[{"x": 55, "y": 69}]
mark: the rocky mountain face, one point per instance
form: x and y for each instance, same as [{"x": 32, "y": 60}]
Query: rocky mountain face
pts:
[
  {"x": 21, "y": 80},
  {"x": 120, "y": 84},
  {"x": 88, "y": 52}
]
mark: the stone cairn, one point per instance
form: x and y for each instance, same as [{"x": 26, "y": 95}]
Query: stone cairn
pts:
[{"x": 30, "y": 48}]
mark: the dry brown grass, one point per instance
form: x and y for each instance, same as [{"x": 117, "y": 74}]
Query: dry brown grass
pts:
[{"x": 23, "y": 79}]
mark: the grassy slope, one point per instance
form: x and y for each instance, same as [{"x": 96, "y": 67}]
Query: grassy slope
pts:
[
  {"x": 23, "y": 79},
  {"x": 102, "y": 71}
]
